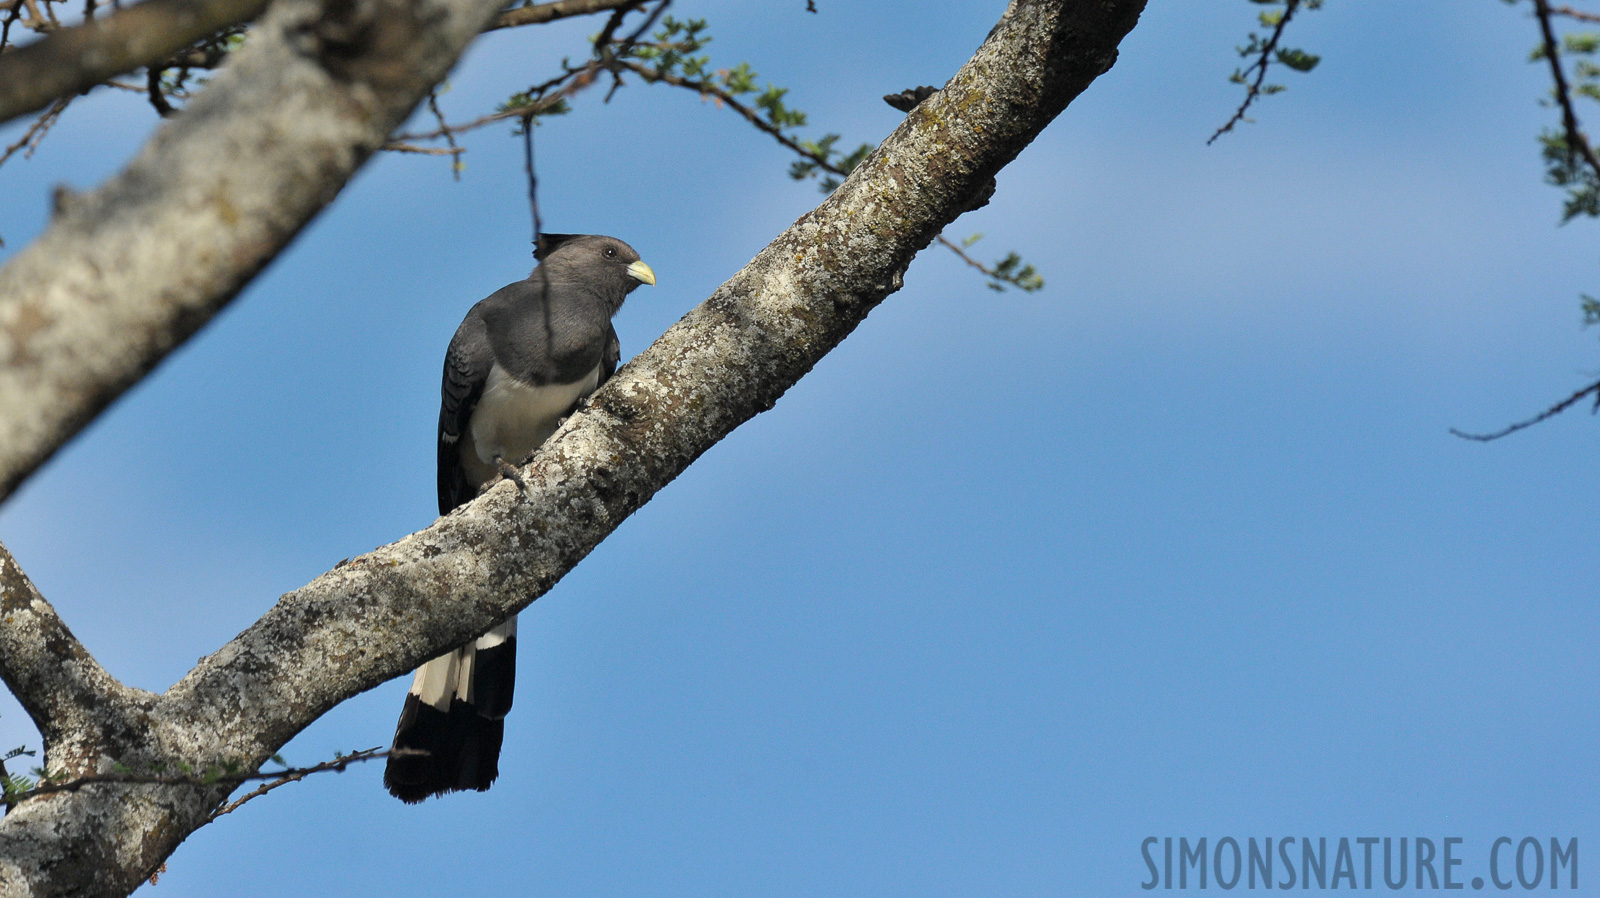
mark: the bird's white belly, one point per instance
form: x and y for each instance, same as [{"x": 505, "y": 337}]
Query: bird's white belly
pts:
[{"x": 513, "y": 418}]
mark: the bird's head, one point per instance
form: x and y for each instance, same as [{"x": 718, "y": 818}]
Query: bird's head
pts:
[{"x": 595, "y": 257}]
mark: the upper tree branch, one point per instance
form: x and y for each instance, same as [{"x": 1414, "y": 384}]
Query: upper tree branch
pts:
[
  {"x": 75, "y": 59},
  {"x": 72, "y": 60},
  {"x": 124, "y": 274}
]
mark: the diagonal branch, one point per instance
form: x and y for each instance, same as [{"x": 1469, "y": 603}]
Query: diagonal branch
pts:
[
  {"x": 728, "y": 360},
  {"x": 75, "y": 59}
]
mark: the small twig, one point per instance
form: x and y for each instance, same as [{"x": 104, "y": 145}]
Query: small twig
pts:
[
  {"x": 613, "y": 22},
  {"x": 41, "y": 21},
  {"x": 296, "y": 775},
  {"x": 1577, "y": 143},
  {"x": 584, "y": 73},
  {"x": 11, "y": 19},
  {"x": 36, "y": 131},
  {"x": 10, "y": 798},
  {"x": 1571, "y": 13},
  {"x": 449, "y": 136},
  {"x": 1260, "y": 66},
  {"x": 292, "y": 774},
  {"x": 709, "y": 89},
  {"x": 393, "y": 147},
  {"x": 546, "y": 12},
  {"x": 1550, "y": 412},
  {"x": 956, "y": 248}
]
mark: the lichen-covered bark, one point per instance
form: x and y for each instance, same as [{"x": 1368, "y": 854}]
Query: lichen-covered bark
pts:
[
  {"x": 126, "y": 272},
  {"x": 728, "y": 360},
  {"x": 78, "y": 58}
]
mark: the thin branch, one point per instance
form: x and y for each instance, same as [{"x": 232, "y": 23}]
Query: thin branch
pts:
[
  {"x": 823, "y": 162},
  {"x": 394, "y": 147},
  {"x": 1550, "y": 412},
  {"x": 277, "y": 778},
  {"x": 1576, "y": 141},
  {"x": 450, "y": 138},
  {"x": 956, "y": 248},
  {"x": 1571, "y": 13},
  {"x": 36, "y": 131},
  {"x": 75, "y": 59},
  {"x": 583, "y": 73},
  {"x": 548, "y": 12},
  {"x": 1260, "y": 66},
  {"x": 11, "y": 19},
  {"x": 710, "y": 89}
]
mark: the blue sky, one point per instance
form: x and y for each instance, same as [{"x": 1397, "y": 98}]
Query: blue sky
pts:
[{"x": 1178, "y": 546}]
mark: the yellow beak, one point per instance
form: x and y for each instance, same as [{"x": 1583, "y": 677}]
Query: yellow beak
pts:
[{"x": 643, "y": 273}]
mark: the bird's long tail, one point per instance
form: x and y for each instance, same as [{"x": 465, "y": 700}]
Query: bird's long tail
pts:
[{"x": 450, "y": 729}]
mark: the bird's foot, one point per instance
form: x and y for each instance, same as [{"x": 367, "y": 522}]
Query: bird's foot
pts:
[{"x": 507, "y": 472}]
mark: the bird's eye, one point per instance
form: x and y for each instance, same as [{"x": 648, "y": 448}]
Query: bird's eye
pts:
[{"x": 611, "y": 252}]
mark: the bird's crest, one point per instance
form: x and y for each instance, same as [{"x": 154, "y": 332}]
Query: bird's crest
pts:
[{"x": 548, "y": 243}]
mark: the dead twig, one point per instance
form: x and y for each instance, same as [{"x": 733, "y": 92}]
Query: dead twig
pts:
[
  {"x": 35, "y": 134},
  {"x": 273, "y": 778},
  {"x": 1550, "y": 412}
]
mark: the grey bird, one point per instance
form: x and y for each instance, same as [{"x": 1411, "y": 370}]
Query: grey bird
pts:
[{"x": 519, "y": 363}]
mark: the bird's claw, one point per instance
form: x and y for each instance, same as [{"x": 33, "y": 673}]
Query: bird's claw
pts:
[{"x": 507, "y": 471}]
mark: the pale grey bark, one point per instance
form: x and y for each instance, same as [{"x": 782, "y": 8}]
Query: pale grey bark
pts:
[
  {"x": 77, "y": 58},
  {"x": 128, "y": 271},
  {"x": 731, "y": 358}
]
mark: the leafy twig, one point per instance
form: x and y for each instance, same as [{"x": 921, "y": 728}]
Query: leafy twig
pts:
[
  {"x": 1575, "y": 140},
  {"x": 1009, "y": 270},
  {"x": 1264, "y": 53}
]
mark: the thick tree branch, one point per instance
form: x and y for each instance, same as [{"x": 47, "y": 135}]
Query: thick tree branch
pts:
[
  {"x": 75, "y": 59},
  {"x": 62, "y": 687},
  {"x": 726, "y": 361},
  {"x": 124, "y": 274}
]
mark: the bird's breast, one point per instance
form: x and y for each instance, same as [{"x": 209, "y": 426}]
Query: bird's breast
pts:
[{"x": 513, "y": 418}]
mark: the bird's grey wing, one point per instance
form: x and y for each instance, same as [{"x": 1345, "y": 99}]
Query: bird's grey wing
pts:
[
  {"x": 466, "y": 369},
  {"x": 611, "y": 357}
]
